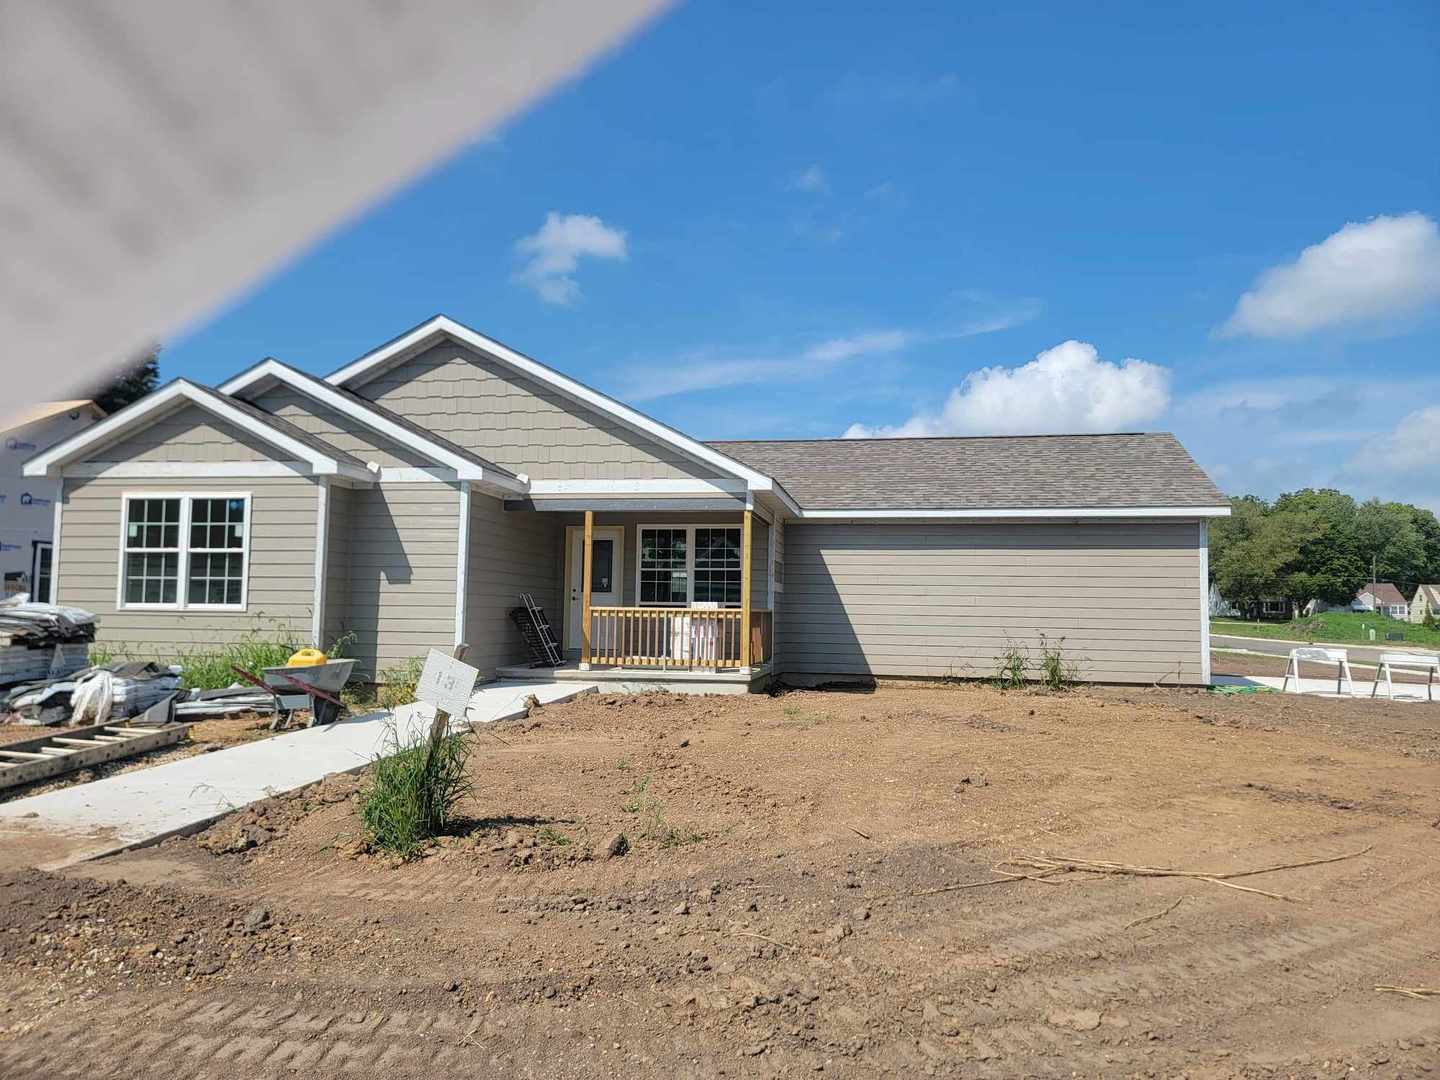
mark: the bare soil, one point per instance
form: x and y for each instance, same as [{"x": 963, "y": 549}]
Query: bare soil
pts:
[{"x": 788, "y": 904}]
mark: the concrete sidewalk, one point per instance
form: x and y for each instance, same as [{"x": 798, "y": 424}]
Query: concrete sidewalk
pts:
[{"x": 86, "y": 821}]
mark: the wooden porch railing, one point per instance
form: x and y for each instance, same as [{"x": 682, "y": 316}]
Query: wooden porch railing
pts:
[{"x": 677, "y": 637}]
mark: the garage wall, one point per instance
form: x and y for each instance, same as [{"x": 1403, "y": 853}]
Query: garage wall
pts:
[{"x": 942, "y": 600}]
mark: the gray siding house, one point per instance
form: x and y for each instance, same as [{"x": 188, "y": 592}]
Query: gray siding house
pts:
[{"x": 408, "y": 499}]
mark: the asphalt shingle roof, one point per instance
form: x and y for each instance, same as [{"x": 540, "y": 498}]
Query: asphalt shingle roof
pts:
[{"x": 983, "y": 472}]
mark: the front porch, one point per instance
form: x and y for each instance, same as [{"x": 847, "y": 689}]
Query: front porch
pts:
[
  {"x": 639, "y": 680},
  {"x": 677, "y": 597}
]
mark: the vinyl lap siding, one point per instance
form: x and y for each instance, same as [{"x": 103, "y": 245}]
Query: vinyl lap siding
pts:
[
  {"x": 759, "y": 562},
  {"x": 403, "y": 548},
  {"x": 510, "y": 553},
  {"x": 281, "y": 567},
  {"x": 515, "y": 422},
  {"x": 937, "y": 600},
  {"x": 189, "y": 434}
]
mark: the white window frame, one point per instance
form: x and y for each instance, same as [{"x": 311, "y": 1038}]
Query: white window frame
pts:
[
  {"x": 182, "y": 587},
  {"x": 689, "y": 531}
]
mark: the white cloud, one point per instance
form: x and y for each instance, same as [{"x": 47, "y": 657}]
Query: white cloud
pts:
[
  {"x": 1064, "y": 389},
  {"x": 1384, "y": 267},
  {"x": 1401, "y": 463},
  {"x": 810, "y": 179},
  {"x": 712, "y": 368},
  {"x": 555, "y": 249}
]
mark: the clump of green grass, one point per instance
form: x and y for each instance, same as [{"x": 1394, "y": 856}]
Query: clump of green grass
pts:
[
  {"x": 211, "y": 670},
  {"x": 397, "y": 684},
  {"x": 1057, "y": 671},
  {"x": 415, "y": 791},
  {"x": 550, "y": 836},
  {"x": 1011, "y": 666},
  {"x": 653, "y": 823}
]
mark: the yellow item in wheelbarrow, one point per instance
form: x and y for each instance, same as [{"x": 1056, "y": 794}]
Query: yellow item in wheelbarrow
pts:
[{"x": 306, "y": 658}]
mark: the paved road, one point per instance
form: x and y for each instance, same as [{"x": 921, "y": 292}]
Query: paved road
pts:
[{"x": 1358, "y": 653}]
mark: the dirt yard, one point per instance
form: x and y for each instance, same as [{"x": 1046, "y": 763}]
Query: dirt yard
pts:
[{"x": 794, "y": 902}]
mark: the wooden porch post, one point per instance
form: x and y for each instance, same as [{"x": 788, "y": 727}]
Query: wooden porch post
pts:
[
  {"x": 745, "y": 532},
  {"x": 585, "y": 592}
]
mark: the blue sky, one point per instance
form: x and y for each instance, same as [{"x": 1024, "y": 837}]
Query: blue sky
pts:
[{"x": 794, "y": 220}]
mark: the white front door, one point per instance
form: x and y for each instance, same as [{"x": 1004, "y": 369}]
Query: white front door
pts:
[{"x": 607, "y": 570}]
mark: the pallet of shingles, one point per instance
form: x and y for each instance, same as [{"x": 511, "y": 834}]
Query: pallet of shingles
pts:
[{"x": 39, "y": 641}]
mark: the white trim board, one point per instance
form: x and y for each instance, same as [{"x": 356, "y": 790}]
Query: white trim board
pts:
[
  {"x": 637, "y": 487},
  {"x": 462, "y": 565},
  {"x": 1058, "y": 513},
  {"x": 1204, "y": 537},
  {"x": 373, "y": 363},
  {"x": 322, "y": 545},
  {"x": 138, "y": 415},
  {"x": 183, "y": 470},
  {"x": 325, "y": 393}
]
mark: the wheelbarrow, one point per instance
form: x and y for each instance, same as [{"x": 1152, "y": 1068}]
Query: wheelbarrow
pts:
[{"x": 316, "y": 687}]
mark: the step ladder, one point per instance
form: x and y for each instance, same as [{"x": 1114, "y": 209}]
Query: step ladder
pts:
[{"x": 534, "y": 627}]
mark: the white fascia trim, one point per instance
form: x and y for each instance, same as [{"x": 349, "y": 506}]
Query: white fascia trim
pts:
[
  {"x": 184, "y": 470},
  {"x": 354, "y": 372},
  {"x": 54, "y": 596},
  {"x": 321, "y": 391},
  {"x": 1188, "y": 513},
  {"x": 135, "y": 416},
  {"x": 637, "y": 487}
]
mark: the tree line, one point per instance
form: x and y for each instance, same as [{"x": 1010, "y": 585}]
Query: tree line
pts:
[{"x": 1320, "y": 544}]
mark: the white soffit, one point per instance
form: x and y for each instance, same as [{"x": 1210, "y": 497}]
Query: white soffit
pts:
[{"x": 157, "y": 157}]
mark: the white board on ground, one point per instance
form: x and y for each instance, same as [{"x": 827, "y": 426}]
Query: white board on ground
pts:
[{"x": 446, "y": 683}]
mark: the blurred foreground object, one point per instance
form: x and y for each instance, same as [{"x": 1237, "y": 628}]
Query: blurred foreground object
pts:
[{"x": 158, "y": 156}]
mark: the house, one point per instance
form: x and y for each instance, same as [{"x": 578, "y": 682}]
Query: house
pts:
[
  {"x": 1383, "y": 598},
  {"x": 410, "y": 497},
  {"x": 27, "y": 504},
  {"x": 1424, "y": 603}
]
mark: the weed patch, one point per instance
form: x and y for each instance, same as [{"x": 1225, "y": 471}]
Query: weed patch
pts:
[{"x": 415, "y": 791}]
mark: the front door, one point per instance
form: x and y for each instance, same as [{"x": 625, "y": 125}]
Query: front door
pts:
[{"x": 607, "y": 569}]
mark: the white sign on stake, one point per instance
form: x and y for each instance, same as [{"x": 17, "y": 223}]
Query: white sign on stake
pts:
[{"x": 446, "y": 683}]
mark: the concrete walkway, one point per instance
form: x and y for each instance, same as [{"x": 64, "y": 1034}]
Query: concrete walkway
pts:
[{"x": 86, "y": 821}]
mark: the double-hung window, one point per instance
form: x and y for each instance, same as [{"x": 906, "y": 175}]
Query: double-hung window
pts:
[
  {"x": 685, "y": 564},
  {"x": 185, "y": 551}
]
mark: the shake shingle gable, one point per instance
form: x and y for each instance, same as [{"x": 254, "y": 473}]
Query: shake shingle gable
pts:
[{"x": 983, "y": 472}]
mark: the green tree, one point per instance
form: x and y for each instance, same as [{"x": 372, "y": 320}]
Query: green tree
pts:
[
  {"x": 131, "y": 383},
  {"x": 1330, "y": 566},
  {"x": 1391, "y": 540},
  {"x": 1256, "y": 552}
]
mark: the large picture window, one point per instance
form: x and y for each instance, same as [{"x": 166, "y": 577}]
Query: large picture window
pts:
[
  {"x": 682, "y": 565},
  {"x": 185, "y": 551}
]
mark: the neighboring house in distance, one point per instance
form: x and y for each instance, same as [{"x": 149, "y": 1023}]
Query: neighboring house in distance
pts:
[
  {"x": 1425, "y": 602},
  {"x": 1383, "y": 598},
  {"x": 409, "y": 499},
  {"x": 27, "y": 504},
  {"x": 1220, "y": 608}
]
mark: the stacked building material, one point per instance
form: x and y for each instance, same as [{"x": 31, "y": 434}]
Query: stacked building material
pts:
[
  {"x": 43, "y": 641},
  {"x": 133, "y": 688}
]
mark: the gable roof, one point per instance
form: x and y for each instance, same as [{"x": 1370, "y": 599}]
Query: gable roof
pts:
[
  {"x": 988, "y": 474},
  {"x": 377, "y": 361},
  {"x": 43, "y": 410},
  {"x": 1430, "y": 592},
  {"x": 1384, "y": 592},
  {"x": 467, "y": 465},
  {"x": 322, "y": 458}
]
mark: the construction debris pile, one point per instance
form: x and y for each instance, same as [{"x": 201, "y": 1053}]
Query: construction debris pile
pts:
[
  {"x": 94, "y": 694},
  {"x": 42, "y": 641}
]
